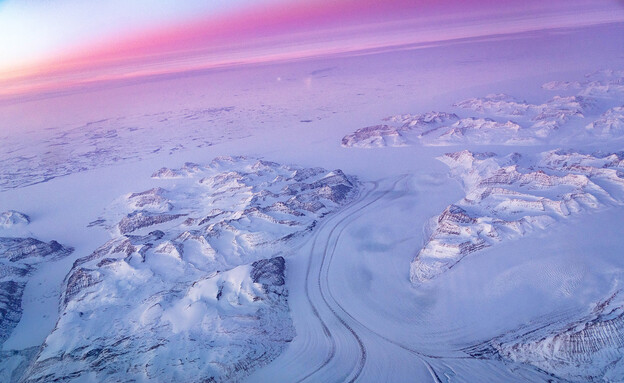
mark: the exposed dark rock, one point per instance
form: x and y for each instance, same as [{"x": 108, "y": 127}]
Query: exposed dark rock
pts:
[
  {"x": 140, "y": 219},
  {"x": 454, "y": 213},
  {"x": 10, "y": 307},
  {"x": 151, "y": 198},
  {"x": 97, "y": 222},
  {"x": 14, "y": 269},
  {"x": 78, "y": 280},
  {"x": 269, "y": 271},
  {"x": 16, "y": 249},
  {"x": 18, "y": 258}
]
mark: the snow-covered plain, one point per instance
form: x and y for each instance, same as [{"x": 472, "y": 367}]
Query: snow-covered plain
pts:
[{"x": 134, "y": 155}]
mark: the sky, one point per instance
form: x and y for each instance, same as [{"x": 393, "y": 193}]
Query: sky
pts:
[{"x": 48, "y": 44}]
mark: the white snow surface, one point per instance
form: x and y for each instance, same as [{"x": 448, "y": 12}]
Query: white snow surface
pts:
[
  {"x": 180, "y": 286},
  {"x": 510, "y": 121},
  {"x": 100, "y": 168},
  {"x": 510, "y": 196}
]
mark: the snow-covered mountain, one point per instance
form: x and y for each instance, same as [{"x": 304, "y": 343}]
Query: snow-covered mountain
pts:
[
  {"x": 240, "y": 269},
  {"x": 506, "y": 197},
  {"x": 504, "y": 120},
  {"x": 191, "y": 286},
  {"x": 375, "y": 137},
  {"x": 12, "y": 218},
  {"x": 609, "y": 125}
]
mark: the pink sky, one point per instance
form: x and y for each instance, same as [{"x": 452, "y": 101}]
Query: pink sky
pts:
[{"x": 277, "y": 30}]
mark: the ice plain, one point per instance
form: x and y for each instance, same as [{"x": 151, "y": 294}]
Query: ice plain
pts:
[{"x": 356, "y": 314}]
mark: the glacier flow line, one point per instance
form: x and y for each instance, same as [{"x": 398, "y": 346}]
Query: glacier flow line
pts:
[
  {"x": 322, "y": 272},
  {"x": 328, "y": 334},
  {"x": 330, "y": 255}
]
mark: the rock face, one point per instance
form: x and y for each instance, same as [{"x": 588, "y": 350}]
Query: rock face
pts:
[
  {"x": 504, "y": 120},
  {"x": 590, "y": 349},
  {"x": 29, "y": 249},
  {"x": 140, "y": 219},
  {"x": 197, "y": 298},
  {"x": 12, "y": 218},
  {"x": 269, "y": 272},
  {"x": 507, "y": 197},
  {"x": 19, "y": 257},
  {"x": 10, "y": 306}
]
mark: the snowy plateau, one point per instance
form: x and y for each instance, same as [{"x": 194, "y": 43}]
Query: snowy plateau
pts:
[{"x": 441, "y": 213}]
